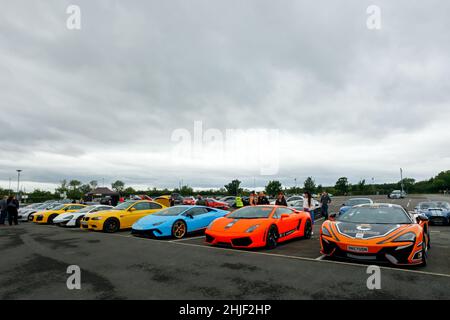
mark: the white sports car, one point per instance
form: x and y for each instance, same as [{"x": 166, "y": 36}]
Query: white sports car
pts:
[
  {"x": 72, "y": 219},
  {"x": 25, "y": 212}
]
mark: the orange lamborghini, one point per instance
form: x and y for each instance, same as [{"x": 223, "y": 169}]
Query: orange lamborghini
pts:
[
  {"x": 259, "y": 226},
  {"x": 377, "y": 232}
]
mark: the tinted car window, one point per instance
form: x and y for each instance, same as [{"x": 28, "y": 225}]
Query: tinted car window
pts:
[
  {"x": 153, "y": 206},
  {"x": 281, "y": 211},
  {"x": 197, "y": 211},
  {"x": 142, "y": 206}
]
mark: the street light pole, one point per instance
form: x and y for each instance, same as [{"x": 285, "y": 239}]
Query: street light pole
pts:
[{"x": 18, "y": 180}]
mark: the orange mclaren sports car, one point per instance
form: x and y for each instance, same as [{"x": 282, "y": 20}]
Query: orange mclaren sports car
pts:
[
  {"x": 377, "y": 232},
  {"x": 259, "y": 226}
]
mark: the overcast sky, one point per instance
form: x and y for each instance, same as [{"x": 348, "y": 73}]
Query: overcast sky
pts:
[{"x": 106, "y": 101}]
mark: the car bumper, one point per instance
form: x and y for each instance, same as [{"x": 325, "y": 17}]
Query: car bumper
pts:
[
  {"x": 40, "y": 219},
  {"x": 91, "y": 225},
  {"x": 439, "y": 220},
  {"x": 237, "y": 240},
  {"x": 148, "y": 233},
  {"x": 397, "y": 254}
]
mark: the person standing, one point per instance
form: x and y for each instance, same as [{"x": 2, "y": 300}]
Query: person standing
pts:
[
  {"x": 13, "y": 210},
  {"x": 308, "y": 205},
  {"x": 200, "y": 201},
  {"x": 3, "y": 210},
  {"x": 252, "y": 199},
  {"x": 281, "y": 200},
  {"x": 262, "y": 199},
  {"x": 325, "y": 200}
]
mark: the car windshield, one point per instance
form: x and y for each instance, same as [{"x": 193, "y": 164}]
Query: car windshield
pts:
[
  {"x": 354, "y": 202},
  {"x": 375, "y": 215},
  {"x": 123, "y": 206},
  {"x": 59, "y": 207},
  {"x": 172, "y": 211},
  {"x": 428, "y": 205},
  {"x": 443, "y": 205},
  {"x": 251, "y": 213},
  {"x": 86, "y": 209}
]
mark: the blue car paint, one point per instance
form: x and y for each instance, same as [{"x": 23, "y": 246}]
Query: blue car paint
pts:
[
  {"x": 429, "y": 213},
  {"x": 165, "y": 223},
  {"x": 343, "y": 209}
]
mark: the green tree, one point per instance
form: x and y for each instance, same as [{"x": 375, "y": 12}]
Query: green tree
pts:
[
  {"x": 118, "y": 185},
  {"x": 273, "y": 188},
  {"x": 233, "y": 187},
  {"x": 342, "y": 186},
  {"x": 74, "y": 184},
  {"x": 62, "y": 189},
  {"x": 85, "y": 188},
  {"x": 309, "y": 184}
]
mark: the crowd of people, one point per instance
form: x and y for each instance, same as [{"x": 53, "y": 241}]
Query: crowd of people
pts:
[{"x": 9, "y": 210}]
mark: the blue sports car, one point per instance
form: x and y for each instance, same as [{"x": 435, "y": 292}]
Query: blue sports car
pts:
[
  {"x": 438, "y": 212},
  {"x": 353, "y": 202},
  {"x": 176, "y": 221}
]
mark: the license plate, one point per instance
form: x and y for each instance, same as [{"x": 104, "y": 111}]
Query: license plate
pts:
[{"x": 358, "y": 249}]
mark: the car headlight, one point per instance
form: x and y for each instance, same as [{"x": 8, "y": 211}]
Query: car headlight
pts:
[
  {"x": 97, "y": 218},
  {"x": 325, "y": 232},
  {"x": 158, "y": 223},
  {"x": 407, "y": 237},
  {"x": 252, "y": 228}
]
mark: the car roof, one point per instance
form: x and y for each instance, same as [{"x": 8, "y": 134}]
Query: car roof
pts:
[
  {"x": 360, "y": 198},
  {"x": 379, "y": 205}
]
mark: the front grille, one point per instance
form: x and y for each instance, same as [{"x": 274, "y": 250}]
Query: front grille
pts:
[
  {"x": 242, "y": 242},
  {"x": 143, "y": 233},
  {"x": 438, "y": 220},
  {"x": 39, "y": 218},
  {"x": 86, "y": 218},
  {"x": 224, "y": 244}
]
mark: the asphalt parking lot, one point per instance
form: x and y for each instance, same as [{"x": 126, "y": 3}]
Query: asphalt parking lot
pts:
[{"x": 34, "y": 260}]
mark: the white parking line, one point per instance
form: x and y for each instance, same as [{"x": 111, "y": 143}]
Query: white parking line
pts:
[
  {"x": 185, "y": 239},
  {"x": 312, "y": 260},
  {"x": 321, "y": 257}
]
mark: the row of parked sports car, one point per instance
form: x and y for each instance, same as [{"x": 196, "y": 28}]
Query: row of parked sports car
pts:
[{"x": 363, "y": 230}]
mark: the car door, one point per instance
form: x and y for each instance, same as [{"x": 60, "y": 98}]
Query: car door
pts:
[
  {"x": 287, "y": 225},
  {"x": 197, "y": 218}
]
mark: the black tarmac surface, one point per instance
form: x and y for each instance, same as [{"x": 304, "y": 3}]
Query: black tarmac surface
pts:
[{"x": 34, "y": 261}]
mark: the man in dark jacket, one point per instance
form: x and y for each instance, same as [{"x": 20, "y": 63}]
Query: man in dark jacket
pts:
[
  {"x": 13, "y": 210},
  {"x": 262, "y": 199},
  {"x": 3, "y": 210},
  {"x": 325, "y": 200},
  {"x": 281, "y": 200}
]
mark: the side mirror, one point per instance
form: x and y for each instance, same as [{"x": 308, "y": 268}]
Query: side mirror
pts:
[
  {"x": 421, "y": 218},
  {"x": 284, "y": 216},
  {"x": 189, "y": 216},
  {"x": 132, "y": 209}
]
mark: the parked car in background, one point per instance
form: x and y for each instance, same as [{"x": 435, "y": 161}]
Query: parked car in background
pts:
[
  {"x": 73, "y": 219},
  {"x": 47, "y": 216},
  {"x": 438, "y": 212},
  {"x": 189, "y": 201},
  {"x": 353, "y": 202},
  {"x": 213, "y": 203},
  {"x": 397, "y": 194},
  {"x": 176, "y": 198},
  {"x": 24, "y": 212}
]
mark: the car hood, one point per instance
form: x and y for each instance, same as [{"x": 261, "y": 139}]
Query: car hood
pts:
[
  {"x": 236, "y": 225},
  {"x": 106, "y": 213},
  {"x": 344, "y": 208},
  {"x": 435, "y": 212},
  {"x": 366, "y": 231},
  {"x": 148, "y": 221}
]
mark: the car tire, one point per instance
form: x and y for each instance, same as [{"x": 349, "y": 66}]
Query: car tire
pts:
[
  {"x": 111, "y": 225},
  {"x": 78, "y": 222},
  {"x": 179, "y": 229},
  {"x": 424, "y": 251},
  {"x": 272, "y": 238},
  {"x": 50, "y": 219},
  {"x": 307, "y": 232}
]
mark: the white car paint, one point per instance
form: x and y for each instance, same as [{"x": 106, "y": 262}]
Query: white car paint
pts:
[{"x": 70, "y": 219}]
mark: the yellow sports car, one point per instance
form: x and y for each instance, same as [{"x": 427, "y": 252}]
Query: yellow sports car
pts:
[
  {"x": 120, "y": 217},
  {"x": 43, "y": 217}
]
